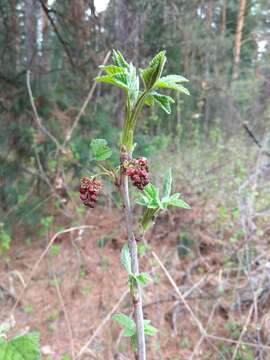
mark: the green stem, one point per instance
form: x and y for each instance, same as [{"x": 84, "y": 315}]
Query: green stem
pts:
[{"x": 130, "y": 122}]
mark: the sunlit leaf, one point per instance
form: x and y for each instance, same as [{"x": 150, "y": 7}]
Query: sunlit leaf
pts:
[
  {"x": 118, "y": 59},
  {"x": 154, "y": 70}
]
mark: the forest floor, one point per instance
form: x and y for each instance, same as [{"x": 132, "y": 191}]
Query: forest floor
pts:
[{"x": 81, "y": 283}]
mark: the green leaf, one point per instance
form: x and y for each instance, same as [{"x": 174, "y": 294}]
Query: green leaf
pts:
[
  {"x": 143, "y": 200},
  {"x": 129, "y": 327},
  {"x": 100, "y": 150},
  {"x": 174, "y": 79},
  {"x": 172, "y": 82},
  {"x": 143, "y": 278},
  {"x": 132, "y": 84},
  {"x": 154, "y": 70},
  {"x": 118, "y": 59},
  {"x": 149, "y": 329},
  {"x": 167, "y": 184},
  {"x": 111, "y": 69},
  {"x": 5, "y": 240},
  {"x": 125, "y": 258},
  {"x": 163, "y": 101},
  {"x": 25, "y": 347},
  {"x": 151, "y": 191},
  {"x": 174, "y": 201},
  {"x": 118, "y": 80}
]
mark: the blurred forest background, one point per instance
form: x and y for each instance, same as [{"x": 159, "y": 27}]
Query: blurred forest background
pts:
[{"x": 217, "y": 141}]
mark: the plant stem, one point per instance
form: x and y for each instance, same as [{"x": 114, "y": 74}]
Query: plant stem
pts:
[
  {"x": 136, "y": 294},
  {"x": 130, "y": 122}
]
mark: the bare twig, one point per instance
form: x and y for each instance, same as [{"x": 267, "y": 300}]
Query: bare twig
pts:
[
  {"x": 57, "y": 32},
  {"x": 181, "y": 296},
  {"x": 89, "y": 97},
  {"x": 36, "y": 116}
]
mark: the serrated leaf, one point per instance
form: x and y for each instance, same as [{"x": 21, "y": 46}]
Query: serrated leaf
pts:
[
  {"x": 172, "y": 82},
  {"x": 118, "y": 59},
  {"x": 129, "y": 327},
  {"x": 125, "y": 258},
  {"x": 118, "y": 80},
  {"x": 25, "y": 347},
  {"x": 167, "y": 184},
  {"x": 100, "y": 149},
  {"x": 111, "y": 69},
  {"x": 153, "y": 71},
  {"x": 163, "y": 101},
  {"x": 149, "y": 329},
  {"x": 132, "y": 84}
]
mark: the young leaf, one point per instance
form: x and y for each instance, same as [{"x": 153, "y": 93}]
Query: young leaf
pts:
[
  {"x": 167, "y": 184},
  {"x": 118, "y": 80},
  {"x": 143, "y": 278},
  {"x": 175, "y": 201},
  {"x": 151, "y": 191},
  {"x": 118, "y": 59},
  {"x": 125, "y": 258},
  {"x": 153, "y": 71},
  {"x": 163, "y": 101},
  {"x": 149, "y": 329},
  {"x": 111, "y": 69},
  {"x": 143, "y": 200},
  {"x": 172, "y": 82},
  {"x": 100, "y": 150},
  {"x": 129, "y": 327},
  {"x": 21, "y": 348},
  {"x": 132, "y": 84}
]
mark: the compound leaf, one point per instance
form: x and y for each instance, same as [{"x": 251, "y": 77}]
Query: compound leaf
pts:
[{"x": 172, "y": 82}]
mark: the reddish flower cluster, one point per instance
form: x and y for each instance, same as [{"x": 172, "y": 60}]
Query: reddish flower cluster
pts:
[
  {"x": 89, "y": 190},
  {"x": 137, "y": 170}
]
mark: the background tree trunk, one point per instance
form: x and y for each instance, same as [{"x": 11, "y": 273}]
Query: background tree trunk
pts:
[
  {"x": 238, "y": 38},
  {"x": 31, "y": 35}
]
